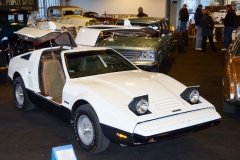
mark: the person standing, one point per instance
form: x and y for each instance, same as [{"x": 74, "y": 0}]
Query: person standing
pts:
[
  {"x": 183, "y": 17},
  {"x": 140, "y": 13},
  {"x": 197, "y": 16},
  {"x": 229, "y": 23},
  {"x": 207, "y": 31}
]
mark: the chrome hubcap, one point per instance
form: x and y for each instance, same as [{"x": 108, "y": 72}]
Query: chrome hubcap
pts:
[
  {"x": 19, "y": 95},
  {"x": 85, "y": 130}
]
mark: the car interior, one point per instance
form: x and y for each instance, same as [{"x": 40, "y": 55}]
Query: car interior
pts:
[{"x": 51, "y": 75}]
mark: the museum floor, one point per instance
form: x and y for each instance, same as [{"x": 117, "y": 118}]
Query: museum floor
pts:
[{"x": 31, "y": 135}]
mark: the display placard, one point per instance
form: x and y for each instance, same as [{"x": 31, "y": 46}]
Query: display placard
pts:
[
  {"x": 63, "y": 153},
  {"x": 29, "y": 5}
]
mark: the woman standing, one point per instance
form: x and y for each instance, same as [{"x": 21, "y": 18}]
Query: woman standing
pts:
[{"x": 207, "y": 25}]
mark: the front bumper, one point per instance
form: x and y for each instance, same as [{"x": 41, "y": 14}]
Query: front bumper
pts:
[
  {"x": 145, "y": 63},
  {"x": 138, "y": 139},
  {"x": 165, "y": 127}
]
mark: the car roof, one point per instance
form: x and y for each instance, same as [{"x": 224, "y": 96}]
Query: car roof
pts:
[
  {"x": 85, "y": 11},
  {"x": 64, "y": 7},
  {"x": 143, "y": 19}
]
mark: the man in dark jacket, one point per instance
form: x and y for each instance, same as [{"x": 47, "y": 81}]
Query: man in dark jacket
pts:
[
  {"x": 229, "y": 23},
  {"x": 140, "y": 13},
  {"x": 184, "y": 15},
  {"x": 197, "y": 16}
]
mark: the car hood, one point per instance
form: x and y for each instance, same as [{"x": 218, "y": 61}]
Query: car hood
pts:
[
  {"x": 122, "y": 42},
  {"x": 163, "y": 92},
  {"x": 127, "y": 85}
]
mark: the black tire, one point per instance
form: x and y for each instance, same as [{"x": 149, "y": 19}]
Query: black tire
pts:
[
  {"x": 12, "y": 49},
  {"x": 95, "y": 141},
  {"x": 227, "y": 108},
  {"x": 20, "y": 95},
  {"x": 160, "y": 59},
  {"x": 180, "y": 42},
  {"x": 154, "y": 68},
  {"x": 3, "y": 63},
  {"x": 185, "y": 37}
]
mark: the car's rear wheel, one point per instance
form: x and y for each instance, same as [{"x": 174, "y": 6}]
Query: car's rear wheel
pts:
[
  {"x": 88, "y": 130},
  {"x": 227, "y": 108},
  {"x": 20, "y": 96},
  {"x": 3, "y": 63}
]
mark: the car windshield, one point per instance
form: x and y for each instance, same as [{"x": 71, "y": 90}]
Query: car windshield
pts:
[
  {"x": 88, "y": 63},
  {"x": 72, "y": 12}
]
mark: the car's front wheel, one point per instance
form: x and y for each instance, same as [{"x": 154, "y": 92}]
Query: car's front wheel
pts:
[
  {"x": 88, "y": 130},
  {"x": 227, "y": 108},
  {"x": 20, "y": 96}
]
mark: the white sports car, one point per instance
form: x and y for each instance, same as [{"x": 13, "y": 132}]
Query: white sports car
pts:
[{"x": 103, "y": 95}]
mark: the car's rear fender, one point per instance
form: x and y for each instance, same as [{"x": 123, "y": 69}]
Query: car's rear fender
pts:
[{"x": 23, "y": 68}]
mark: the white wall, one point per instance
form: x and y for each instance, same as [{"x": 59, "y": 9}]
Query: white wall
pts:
[{"x": 155, "y": 8}]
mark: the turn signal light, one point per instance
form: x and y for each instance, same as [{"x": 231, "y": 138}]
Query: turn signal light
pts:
[{"x": 121, "y": 135}]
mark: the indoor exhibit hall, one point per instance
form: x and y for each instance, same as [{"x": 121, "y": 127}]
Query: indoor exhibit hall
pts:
[{"x": 116, "y": 80}]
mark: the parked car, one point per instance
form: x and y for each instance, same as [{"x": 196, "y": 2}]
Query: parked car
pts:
[
  {"x": 162, "y": 25},
  {"x": 143, "y": 46},
  {"x": 100, "y": 19},
  {"x": 68, "y": 14},
  {"x": 11, "y": 20},
  {"x": 231, "y": 78},
  {"x": 99, "y": 91}
]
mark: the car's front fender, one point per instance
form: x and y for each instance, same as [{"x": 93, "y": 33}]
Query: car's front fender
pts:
[{"x": 108, "y": 114}]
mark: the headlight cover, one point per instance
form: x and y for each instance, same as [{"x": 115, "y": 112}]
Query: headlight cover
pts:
[
  {"x": 191, "y": 95},
  {"x": 147, "y": 55},
  {"x": 139, "y": 105}
]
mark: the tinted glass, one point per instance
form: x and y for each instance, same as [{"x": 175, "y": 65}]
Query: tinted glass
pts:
[{"x": 81, "y": 64}]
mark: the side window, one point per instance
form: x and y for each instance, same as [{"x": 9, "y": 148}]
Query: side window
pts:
[
  {"x": 10, "y": 17},
  {"x": 55, "y": 13},
  {"x": 78, "y": 12},
  {"x": 20, "y": 17}
]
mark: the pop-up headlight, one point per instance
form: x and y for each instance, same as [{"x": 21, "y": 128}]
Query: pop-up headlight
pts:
[
  {"x": 139, "y": 105},
  {"x": 191, "y": 95}
]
